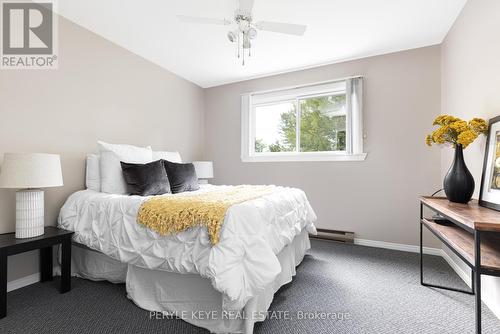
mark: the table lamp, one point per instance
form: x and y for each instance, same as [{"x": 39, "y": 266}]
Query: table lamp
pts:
[
  {"x": 29, "y": 172},
  {"x": 204, "y": 170}
]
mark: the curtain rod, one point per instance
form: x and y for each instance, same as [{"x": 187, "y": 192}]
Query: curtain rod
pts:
[{"x": 302, "y": 85}]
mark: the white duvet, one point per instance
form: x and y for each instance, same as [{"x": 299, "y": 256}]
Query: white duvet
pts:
[{"x": 241, "y": 265}]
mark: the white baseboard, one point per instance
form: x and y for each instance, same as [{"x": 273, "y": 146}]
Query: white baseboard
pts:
[
  {"x": 25, "y": 281},
  {"x": 465, "y": 276},
  {"x": 399, "y": 247}
]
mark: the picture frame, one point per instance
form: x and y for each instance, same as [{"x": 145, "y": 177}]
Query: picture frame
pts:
[{"x": 489, "y": 194}]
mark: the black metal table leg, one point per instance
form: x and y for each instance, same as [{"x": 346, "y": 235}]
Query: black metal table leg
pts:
[
  {"x": 473, "y": 281},
  {"x": 46, "y": 264},
  {"x": 421, "y": 246},
  {"x": 477, "y": 278},
  {"x": 66, "y": 265},
  {"x": 3, "y": 284}
]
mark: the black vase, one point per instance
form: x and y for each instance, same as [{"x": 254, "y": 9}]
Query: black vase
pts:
[{"x": 458, "y": 183}]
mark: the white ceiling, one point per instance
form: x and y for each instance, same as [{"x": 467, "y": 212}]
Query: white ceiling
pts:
[{"x": 336, "y": 30}]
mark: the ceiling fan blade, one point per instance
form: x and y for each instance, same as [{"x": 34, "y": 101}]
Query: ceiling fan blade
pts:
[
  {"x": 203, "y": 20},
  {"x": 246, "y": 5},
  {"x": 284, "y": 28}
]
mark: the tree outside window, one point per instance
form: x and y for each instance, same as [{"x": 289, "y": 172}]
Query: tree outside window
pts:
[{"x": 322, "y": 125}]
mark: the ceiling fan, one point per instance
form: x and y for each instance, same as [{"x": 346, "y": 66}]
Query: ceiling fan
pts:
[{"x": 246, "y": 28}]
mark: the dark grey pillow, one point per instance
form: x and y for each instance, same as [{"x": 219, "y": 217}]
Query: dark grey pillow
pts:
[
  {"x": 146, "y": 179},
  {"x": 182, "y": 177}
]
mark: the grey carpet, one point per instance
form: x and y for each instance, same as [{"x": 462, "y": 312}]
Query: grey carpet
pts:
[{"x": 378, "y": 289}]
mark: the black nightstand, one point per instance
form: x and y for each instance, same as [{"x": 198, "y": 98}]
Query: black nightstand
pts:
[{"x": 9, "y": 245}]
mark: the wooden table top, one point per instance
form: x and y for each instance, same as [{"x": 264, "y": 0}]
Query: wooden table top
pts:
[{"x": 471, "y": 214}]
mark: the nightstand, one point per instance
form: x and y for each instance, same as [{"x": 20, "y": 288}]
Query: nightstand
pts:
[{"x": 9, "y": 245}]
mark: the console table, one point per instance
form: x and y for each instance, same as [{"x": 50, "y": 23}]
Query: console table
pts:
[{"x": 473, "y": 234}]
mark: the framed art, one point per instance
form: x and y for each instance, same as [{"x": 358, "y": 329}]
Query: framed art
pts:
[{"x": 489, "y": 195}]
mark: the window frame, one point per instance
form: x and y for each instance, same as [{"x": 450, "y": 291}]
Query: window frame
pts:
[{"x": 249, "y": 102}]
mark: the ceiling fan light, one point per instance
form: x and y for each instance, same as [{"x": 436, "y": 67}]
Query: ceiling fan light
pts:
[
  {"x": 231, "y": 36},
  {"x": 252, "y": 33},
  {"x": 243, "y": 25},
  {"x": 246, "y": 43}
]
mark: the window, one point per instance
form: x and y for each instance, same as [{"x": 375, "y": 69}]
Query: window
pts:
[{"x": 308, "y": 123}]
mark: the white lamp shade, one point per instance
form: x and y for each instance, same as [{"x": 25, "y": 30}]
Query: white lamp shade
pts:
[
  {"x": 30, "y": 170},
  {"x": 204, "y": 169}
]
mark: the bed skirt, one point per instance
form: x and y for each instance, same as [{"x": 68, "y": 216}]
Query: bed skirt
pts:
[{"x": 187, "y": 296}]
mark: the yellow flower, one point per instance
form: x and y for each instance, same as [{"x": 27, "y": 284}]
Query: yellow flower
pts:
[
  {"x": 450, "y": 119},
  {"x": 479, "y": 125},
  {"x": 456, "y": 131},
  {"x": 467, "y": 137},
  {"x": 440, "y": 135},
  {"x": 445, "y": 120},
  {"x": 428, "y": 140},
  {"x": 459, "y": 126},
  {"x": 439, "y": 120}
]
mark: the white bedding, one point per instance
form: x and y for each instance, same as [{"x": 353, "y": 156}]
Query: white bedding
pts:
[{"x": 241, "y": 265}]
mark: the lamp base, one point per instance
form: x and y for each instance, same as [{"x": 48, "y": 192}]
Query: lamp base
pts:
[{"x": 29, "y": 213}]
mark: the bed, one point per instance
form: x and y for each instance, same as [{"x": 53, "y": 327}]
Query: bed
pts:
[
  {"x": 224, "y": 286},
  {"x": 262, "y": 241}
]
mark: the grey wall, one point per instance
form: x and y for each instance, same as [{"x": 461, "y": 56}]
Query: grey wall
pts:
[
  {"x": 99, "y": 92},
  {"x": 471, "y": 88},
  {"x": 376, "y": 198}
]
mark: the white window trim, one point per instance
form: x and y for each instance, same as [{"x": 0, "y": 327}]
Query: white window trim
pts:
[
  {"x": 306, "y": 156},
  {"x": 354, "y": 122}
]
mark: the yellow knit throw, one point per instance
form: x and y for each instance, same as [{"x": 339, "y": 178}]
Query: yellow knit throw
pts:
[{"x": 172, "y": 214}]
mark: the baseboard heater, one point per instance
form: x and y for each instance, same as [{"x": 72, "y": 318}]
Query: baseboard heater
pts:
[{"x": 334, "y": 235}]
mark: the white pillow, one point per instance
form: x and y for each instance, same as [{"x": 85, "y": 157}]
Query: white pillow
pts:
[
  {"x": 112, "y": 180},
  {"x": 92, "y": 173},
  {"x": 170, "y": 156}
]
